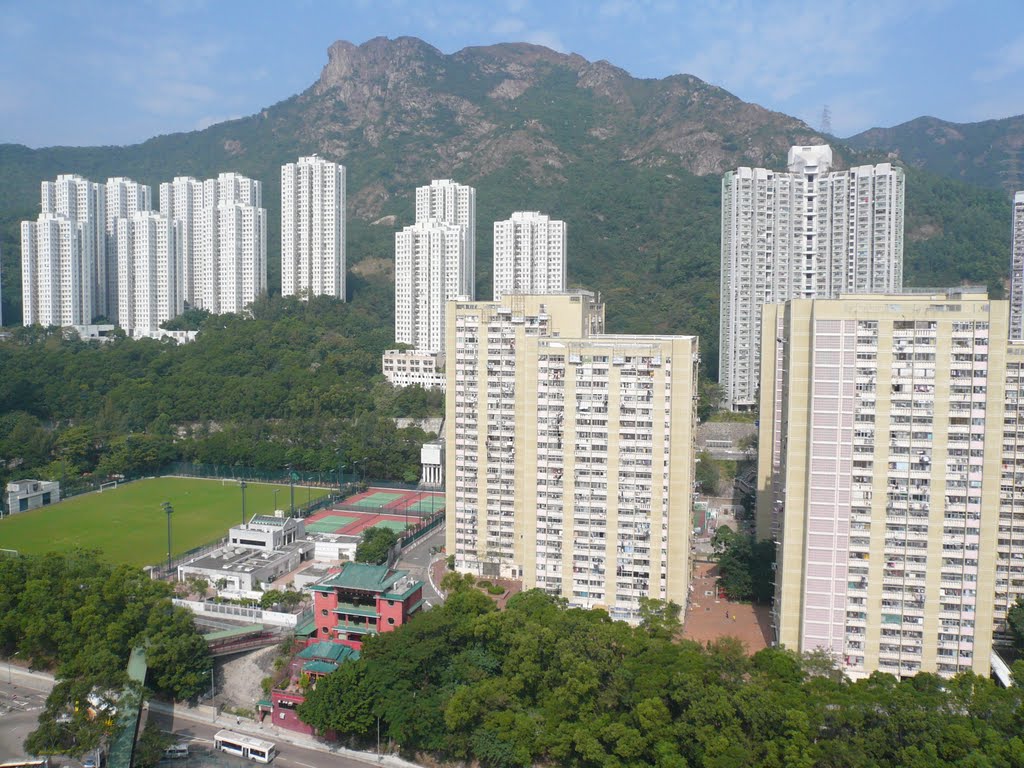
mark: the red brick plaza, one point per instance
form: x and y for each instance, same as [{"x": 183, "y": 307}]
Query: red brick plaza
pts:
[{"x": 711, "y": 618}]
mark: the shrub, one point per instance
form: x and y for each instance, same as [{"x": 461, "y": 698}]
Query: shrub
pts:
[{"x": 496, "y": 589}]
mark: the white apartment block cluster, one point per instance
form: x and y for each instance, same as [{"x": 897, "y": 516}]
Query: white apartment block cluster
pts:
[
  {"x": 99, "y": 250},
  {"x": 313, "y": 228},
  {"x": 809, "y": 232},
  {"x": 569, "y": 452},
  {"x": 435, "y": 262},
  {"x": 224, "y": 239}
]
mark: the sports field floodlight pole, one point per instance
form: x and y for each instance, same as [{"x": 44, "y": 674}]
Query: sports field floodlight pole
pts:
[
  {"x": 276, "y": 491},
  {"x": 291, "y": 488},
  {"x": 242, "y": 486},
  {"x": 169, "y": 510}
]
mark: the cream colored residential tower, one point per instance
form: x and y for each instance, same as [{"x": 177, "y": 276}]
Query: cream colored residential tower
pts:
[
  {"x": 569, "y": 459},
  {"x": 881, "y": 449}
]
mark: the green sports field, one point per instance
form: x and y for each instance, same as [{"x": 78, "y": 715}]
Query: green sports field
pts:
[{"x": 128, "y": 524}]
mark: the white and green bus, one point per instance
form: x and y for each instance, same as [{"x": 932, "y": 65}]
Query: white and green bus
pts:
[{"x": 248, "y": 747}]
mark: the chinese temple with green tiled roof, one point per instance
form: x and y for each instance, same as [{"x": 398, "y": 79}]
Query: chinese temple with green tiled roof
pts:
[{"x": 363, "y": 599}]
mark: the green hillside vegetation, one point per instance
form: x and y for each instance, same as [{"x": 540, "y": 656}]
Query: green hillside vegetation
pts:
[
  {"x": 618, "y": 161},
  {"x": 986, "y": 153},
  {"x": 537, "y": 684},
  {"x": 298, "y": 383}
]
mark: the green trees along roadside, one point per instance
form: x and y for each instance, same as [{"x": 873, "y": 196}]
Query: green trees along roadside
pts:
[
  {"x": 80, "y": 616},
  {"x": 543, "y": 684}
]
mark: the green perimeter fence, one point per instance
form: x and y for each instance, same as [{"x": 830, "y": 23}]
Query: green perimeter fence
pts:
[{"x": 330, "y": 479}]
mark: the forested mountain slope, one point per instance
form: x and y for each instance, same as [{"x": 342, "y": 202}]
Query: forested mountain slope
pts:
[
  {"x": 632, "y": 165},
  {"x": 989, "y": 153}
]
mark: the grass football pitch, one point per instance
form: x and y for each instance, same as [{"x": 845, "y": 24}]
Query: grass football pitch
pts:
[{"x": 128, "y": 524}]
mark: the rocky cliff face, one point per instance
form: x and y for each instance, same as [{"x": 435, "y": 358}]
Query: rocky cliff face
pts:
[{"x": 478, "y": 110}]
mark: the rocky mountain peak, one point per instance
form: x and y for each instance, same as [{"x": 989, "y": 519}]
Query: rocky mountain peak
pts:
[{"x": 374, "y": 59}]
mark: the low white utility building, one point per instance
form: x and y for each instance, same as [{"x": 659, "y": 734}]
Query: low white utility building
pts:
[{"x": 23, "y": 495}]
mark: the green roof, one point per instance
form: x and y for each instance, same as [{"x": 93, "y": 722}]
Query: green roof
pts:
[
  {"x": 225, "y": 634},
  {"x": 320, "y": 667},
  {"x": 325, "y": 650},
  {"x": 265, "y": 703},
  {"x": 137, "y": 666},
  {"x": 307, "y": 627},
  {"x": 362, "y": 576},
  {"x": 417, "y": 605}
]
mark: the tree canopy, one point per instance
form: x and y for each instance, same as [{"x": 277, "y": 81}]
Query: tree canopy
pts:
[
  {"x": 539, "y": 683},
  {"x": 82, "y": 616},
  {"x": 298, "y": 383},
  {"x": 744, "y": 565},
  {"x": 373, "y": 547}
]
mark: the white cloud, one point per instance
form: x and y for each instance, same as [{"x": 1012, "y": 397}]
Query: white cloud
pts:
[
  {"x": 785, "y": 49},
  {"x": 547, "y": 38},
  {"x": 206, "y": 122},
  {"x": 1003, "y": 62}
]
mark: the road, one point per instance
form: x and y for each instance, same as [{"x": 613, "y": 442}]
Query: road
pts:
[
  {"x": 417, "y": 560},
  {"x": 200, "y": 735},
  {"x": 22, "y": 700}
]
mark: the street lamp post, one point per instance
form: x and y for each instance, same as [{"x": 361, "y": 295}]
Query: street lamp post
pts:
[
  {"x": 213, "y": 695},
  {"x": 276, "y": 491},
  {"x": 169, "y": 510},
  {"x": 9, "y": 659},
  {"x": 242, "y": 486}
]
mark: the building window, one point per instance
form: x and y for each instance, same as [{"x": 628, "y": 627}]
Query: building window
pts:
[
  {"x": 391, "y": 621},
  {"x": 323, "y": 630},
  {"x": 323, "y": 611}
]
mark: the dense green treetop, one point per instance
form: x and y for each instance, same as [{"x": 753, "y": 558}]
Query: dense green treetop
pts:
[
  {"x": 539, "y": 684},
  {"x": 374, "y": 545},
  {"x": 82, "y": 616},
  {"x": 297, "y": 383}
]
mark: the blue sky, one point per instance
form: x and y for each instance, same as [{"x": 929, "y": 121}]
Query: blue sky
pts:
[{"x": 84, "y": 73}]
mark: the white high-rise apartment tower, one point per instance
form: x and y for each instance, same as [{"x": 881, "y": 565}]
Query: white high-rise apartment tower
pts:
[
  {"x": 569, "y": 453},
  {"x": 806, "y": 233},
  {"x": 529, "y": 255},
  {"x": 183, "y": 201},
  {"x": 224, "y": 239},
  {"x": 124, "y": 198},
  {"x": 430, "y": 269},
  {"x": 149, "y": 279},
  {"x": 452, "y": 203},
  {"x": 56, "y": 278},
  {"x": 1017, "y": 270},
  {"x": 313, "y": 228},
  {"x": 83, "y": 201}
]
